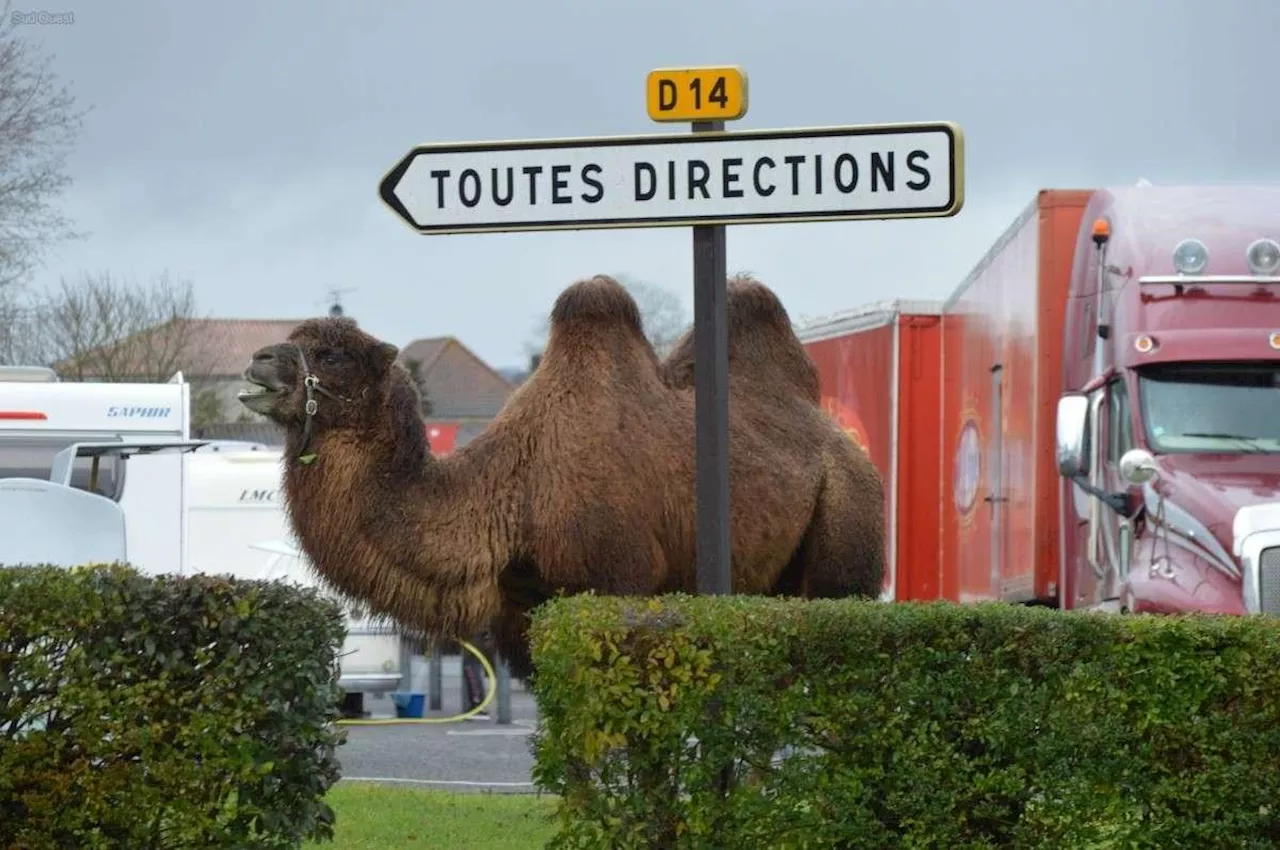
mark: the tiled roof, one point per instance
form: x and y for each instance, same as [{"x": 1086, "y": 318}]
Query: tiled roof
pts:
[
  {"x": 457, "y": 382},
  {"x": 228, "y": 344},
  {"x": 425, "y": 351}
]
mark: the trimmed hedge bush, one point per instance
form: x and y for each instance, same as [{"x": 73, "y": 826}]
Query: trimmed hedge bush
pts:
[
  {"x": 164, "y": 712},
  {"x": 747, "y": 722}
]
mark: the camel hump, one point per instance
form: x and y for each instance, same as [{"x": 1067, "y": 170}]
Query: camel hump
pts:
[
  {"x": 598, "y": 301},
  {"x": 754, "y": 306},
  {"x": 763, "y": 347}
]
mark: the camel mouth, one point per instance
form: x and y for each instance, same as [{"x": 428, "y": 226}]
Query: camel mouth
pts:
[
  {"x": 259, "y": 394},
  {"x": 256, "y": 390},
  {"x": 259, "y": 386}
]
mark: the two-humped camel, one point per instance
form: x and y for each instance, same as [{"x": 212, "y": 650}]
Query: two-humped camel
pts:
[{"x": 584, "y": 481}]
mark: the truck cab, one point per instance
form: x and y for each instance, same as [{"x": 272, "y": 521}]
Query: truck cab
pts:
[{"x": 1168, "y": 428}]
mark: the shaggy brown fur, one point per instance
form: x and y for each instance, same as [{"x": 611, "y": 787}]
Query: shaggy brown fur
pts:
[
  {"x": 763, "y": 348},
  {"x": 768, "y": 364},
  {"x": 584, "y": 481}
]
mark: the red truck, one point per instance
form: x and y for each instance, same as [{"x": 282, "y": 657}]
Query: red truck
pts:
[{"x": 1109, "y": 407}]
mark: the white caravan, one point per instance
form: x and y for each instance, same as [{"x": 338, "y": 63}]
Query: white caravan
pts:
[
  {"x": 237, "y": 524},
  {"x": 81, "y": 480},
  {"x": 41, "y": 417}
]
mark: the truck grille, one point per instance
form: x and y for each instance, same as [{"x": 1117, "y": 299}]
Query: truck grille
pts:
[{"x": 1269, "y": 580}]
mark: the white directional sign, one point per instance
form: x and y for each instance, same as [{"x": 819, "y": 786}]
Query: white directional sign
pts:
[{"x": 751, "y": 177}]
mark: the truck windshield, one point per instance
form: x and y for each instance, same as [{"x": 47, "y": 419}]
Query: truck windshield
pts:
[{"x": 1212, "y": 407}]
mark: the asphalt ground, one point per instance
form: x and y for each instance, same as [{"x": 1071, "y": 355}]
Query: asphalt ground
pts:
[{"x": 468, "y": 755}]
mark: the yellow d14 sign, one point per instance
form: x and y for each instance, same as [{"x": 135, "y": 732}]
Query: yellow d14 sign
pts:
[{"x": 696, "y": 94}]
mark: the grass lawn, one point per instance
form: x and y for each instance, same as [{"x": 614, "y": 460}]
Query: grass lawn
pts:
[{"x": 397, "y": 818}]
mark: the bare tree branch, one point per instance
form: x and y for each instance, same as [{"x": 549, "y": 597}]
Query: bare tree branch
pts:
[
  {"x": 661, "y": 311},
  {"x": 19, "y": 337},
  {"x": 99, "y": 329},
  {"x": 39, "y": 125}
]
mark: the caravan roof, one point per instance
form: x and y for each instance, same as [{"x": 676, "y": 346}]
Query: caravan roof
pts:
[
  {"x": 92, "y": 408},
  {"x": 28, "y": 374}
]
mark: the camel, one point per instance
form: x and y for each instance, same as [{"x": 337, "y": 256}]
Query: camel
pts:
[
  {"x": 763, "y": 348},
  {"x": 583, "y": 482}
]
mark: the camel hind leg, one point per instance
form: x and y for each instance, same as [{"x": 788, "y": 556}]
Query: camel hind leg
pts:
[{"x": 843, "y": 550}]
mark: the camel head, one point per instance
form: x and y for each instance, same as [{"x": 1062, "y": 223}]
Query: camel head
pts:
[{"x": 327, "y": 367}]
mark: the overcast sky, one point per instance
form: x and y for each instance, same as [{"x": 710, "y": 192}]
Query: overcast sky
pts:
[{"x": 240, "y": 144}]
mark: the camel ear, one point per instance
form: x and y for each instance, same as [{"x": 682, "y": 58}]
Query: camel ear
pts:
[{"x": 387, "y": 353}]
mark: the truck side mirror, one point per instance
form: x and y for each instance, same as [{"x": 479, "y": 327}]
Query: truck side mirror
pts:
[
  {"x": 1138, "y": 466},
  {"x": 1073, "y": 419}
]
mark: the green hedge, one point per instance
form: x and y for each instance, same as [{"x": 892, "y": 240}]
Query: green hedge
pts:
[
  {"x": 745, "y": 722},
  {"x": 164, "y": 712}
]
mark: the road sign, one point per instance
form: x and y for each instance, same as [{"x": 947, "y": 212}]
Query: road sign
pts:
[
  {"x": 696, "y": 94},
  {"x": 752, "y": 177}
]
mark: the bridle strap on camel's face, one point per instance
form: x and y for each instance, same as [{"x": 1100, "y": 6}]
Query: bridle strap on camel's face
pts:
[{"x": 311, "y": 385}]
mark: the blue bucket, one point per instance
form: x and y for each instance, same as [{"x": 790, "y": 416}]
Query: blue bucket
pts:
[{"x": 409, "y": 705}]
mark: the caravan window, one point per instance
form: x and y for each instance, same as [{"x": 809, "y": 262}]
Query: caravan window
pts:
[{"x": 32, "y": 457}]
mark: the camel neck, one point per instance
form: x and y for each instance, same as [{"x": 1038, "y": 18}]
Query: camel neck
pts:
[
  {"x": 406, "y": 539},
  {"x": 349, "y": 466}
]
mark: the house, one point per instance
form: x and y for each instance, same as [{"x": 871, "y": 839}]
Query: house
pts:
[
  {"x": 514, "y": 375},
  {"x": 465, "y": 392}
]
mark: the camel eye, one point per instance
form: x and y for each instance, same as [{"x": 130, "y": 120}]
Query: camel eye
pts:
[{"x": 331, "y": 357}]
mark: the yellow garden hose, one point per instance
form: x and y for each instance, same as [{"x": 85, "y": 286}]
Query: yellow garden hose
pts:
[{"x": 398, "y": 721}]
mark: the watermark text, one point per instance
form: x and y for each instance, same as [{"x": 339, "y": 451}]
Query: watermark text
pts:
[{"x": 43, "y": 17}]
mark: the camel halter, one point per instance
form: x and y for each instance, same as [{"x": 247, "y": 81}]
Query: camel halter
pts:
[{"x": 311, "y": 385}]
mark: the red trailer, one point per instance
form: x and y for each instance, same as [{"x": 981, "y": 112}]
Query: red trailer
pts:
[
  {"x": 879, "y": 368},
  {"x": 1002, "y": 374}
]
